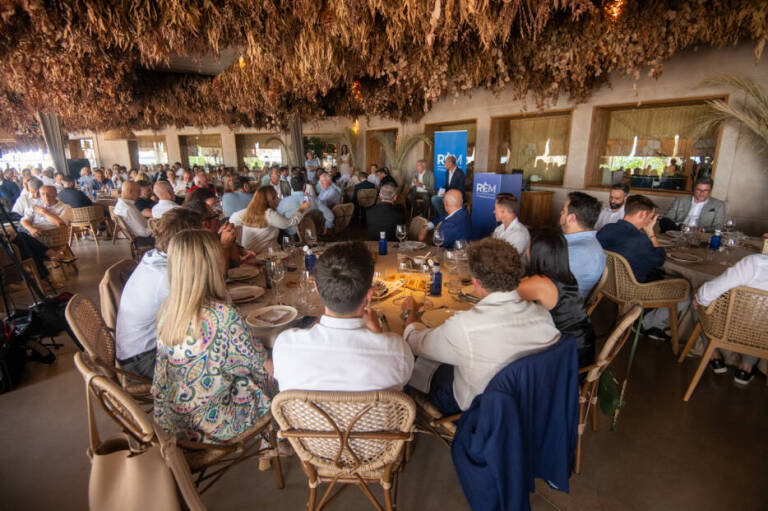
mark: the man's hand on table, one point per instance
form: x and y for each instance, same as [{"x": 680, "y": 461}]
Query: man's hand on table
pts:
[
  {"x": 371, "y": 320},
  {"x": 410, "y": 306}
]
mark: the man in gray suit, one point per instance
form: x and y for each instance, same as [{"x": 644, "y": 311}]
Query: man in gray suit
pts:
[
  {"x": 700, "y": 209},
  {"x": 421, "y": 186}
]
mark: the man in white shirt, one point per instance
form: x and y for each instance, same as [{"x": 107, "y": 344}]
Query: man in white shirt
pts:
[
  {"x": 166, "y": 199},
  {"x": 126, "y": 209},
  {"x": 51, "y": 213},
  {"x": 751, "y": 271},
  {"x": 183, "y": 183},
  {"x": 615, "y": 211},
  {"x": 511, "y": 229},
  {"x": 46, "y": 177},
  {"x": 346, "y": 350},
  {"x": 476, "y": 344},
  {"x": 29, "y": 200},
  {"x": 144, "y": 292}
]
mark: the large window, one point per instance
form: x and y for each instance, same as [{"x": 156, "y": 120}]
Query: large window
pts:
[
  {"x": 152, "y": 150},
  {"x": 257, "y": 150},
  {"x": 25, "y": 159},
  {"x": 201, "y": 150},
  {"x": 652, "y": 147},
  {"x": 536, "y": 145}
]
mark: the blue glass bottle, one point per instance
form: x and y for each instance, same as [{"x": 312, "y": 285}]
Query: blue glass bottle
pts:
[
  {"x": 714, "y": 241},
  {"x": 436, "y": 284},
  {"x": 382, "y": 243}
]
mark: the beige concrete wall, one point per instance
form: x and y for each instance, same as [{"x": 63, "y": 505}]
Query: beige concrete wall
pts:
[{"x": 741, "y": 177}]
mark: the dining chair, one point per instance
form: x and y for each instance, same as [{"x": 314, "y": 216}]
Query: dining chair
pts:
[
  {"x": 367, "y": 197},
  {"x": 736, "y": 321},
  {"x": 347, "y": 438},
  {"x": 111, "y": 289},
  {"x": 87, "y": 219},
  {"x": 596, "y": 294},
  {"x": 414, "y": 228},
  {"x": 310, "y": 221},
  {"x": 588, "y": 394},
  {"x": 137, "y": 251},
  {"x": 57, "y": 239},
  {"x": 116, "y": 229},
  {"x": 342, "y": 214},
  {"x": 622, "y": 288}
]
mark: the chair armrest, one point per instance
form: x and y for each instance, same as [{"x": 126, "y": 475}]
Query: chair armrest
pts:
[{"x": 448, "y": 418}]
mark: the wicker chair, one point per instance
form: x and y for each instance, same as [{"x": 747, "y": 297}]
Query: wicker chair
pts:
[
  {"x": 736, "y": 321},
  {"x": 87, "y": 219},
  {"x": 595, "y": 295},
  {"x": 310, "y": 221},
  {"x": 347, "y": 438},
  {"x": 621, "y": 287},
  {"x": 111, "y": 289},
  {"x": 414, "y": 229},
  {"x": 92, "y": 333},
  {"x": 134, "y": 422},
  {"x": 430, "y": 420},
  {"x": 137, "y": 251},
  {"x": 588, "y": 393},
  {"x": 57, "y": 239},
  {"x": 367, "y": 197},
  {"x": 342, "y": 214}
]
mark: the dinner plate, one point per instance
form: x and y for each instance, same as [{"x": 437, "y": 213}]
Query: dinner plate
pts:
[
  {"x": 284, "y": 314},
  {"x": 412, "y": 245},
  {"x": 242, "y": 294},
  {"x": 684, "y": 257},
  {"x": 673, "y": 234},
  {"x": 278, "y": 254},
  {"x": 391, "y": 287},
  {"x": 436, "y": 317},
  {"x": 242, "y": 273}
]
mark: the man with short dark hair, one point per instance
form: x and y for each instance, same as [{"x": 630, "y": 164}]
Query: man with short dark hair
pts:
[
  {"x": 614, "y": 212},
  {"x": 145, "y": 203},
  {"x": 384, "y": 216},
  {"x": 75, "y": 198},
  {"x": 469, "y": 344},
  {"x": 290, "y": 205},
  {"x": 700, "y": 210},
  {"x": 346, "y": 350},
  {"x": 239, "y": 198},
  {"x": 585, "y": 254},
  {"x": 511, "y": 229},
  {"x": 454, "y": 180}
]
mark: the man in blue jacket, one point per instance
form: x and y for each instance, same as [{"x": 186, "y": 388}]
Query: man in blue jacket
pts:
[
  {"x": 454, "y": 180},
  {"x": 453, "y": 226}
]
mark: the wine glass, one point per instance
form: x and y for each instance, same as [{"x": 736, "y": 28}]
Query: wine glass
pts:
[
  {"x": 277, "y": 270},
  {"x": 730, "y": 225},
  {"x": 310, "y": 237},
  {"x": 306, "y": 287},
  {"x": 401, "y": 233},
  {"x": 438, "y": 238}
]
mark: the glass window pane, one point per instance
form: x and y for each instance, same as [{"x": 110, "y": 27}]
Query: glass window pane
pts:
[
  {"x": 257, "y": 150},
  {"x": 202, "y": 150},
  {"x": 152, "y": 150}
]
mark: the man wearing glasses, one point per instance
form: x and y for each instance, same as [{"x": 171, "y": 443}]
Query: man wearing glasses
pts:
[{"x": 700, "y": 210}]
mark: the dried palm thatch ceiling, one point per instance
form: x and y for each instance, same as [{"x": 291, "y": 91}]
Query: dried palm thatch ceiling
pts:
[{"x": 151, "y": 63}]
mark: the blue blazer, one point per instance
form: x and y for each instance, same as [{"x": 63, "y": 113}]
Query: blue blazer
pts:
[
  {"x": 457, "y": 182},
  {"x": 524, "y": 425},
  {"x": 455, "y": 227}
]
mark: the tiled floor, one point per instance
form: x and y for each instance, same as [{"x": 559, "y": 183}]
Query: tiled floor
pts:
[{"x": 709, "y": 454}]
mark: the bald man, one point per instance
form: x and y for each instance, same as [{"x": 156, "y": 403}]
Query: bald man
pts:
[
  {"x": 51, "y": 213},
  {"x": 127, "y": 210},
  {"x": 166, "y": 199},
  {"x": 455, "y": 225}
]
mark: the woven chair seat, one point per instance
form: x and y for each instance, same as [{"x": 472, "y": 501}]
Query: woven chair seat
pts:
[
  {"x": 86, "y": 215},
  {"x": 621, "y": 284},
  {"x": 138, "y": 388},
  {"x": 55, "y": 237},
  {"x": 430, "y": 412}
]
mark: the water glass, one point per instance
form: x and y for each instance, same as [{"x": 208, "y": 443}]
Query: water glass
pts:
[
  {"x": 277, "y": 271},
  {"x": 401, "y": 233}
]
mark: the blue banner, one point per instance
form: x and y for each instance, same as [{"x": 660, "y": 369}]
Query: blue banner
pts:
[
  {"x": 484, "y": 191},
  {"x": 453, "y": 143}
]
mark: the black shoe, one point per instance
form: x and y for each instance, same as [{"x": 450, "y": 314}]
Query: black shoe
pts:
[
  {"x": 743, "y": 377},
  {"x": 657, "y": 334},
  {"x": 718, "y": 366}
]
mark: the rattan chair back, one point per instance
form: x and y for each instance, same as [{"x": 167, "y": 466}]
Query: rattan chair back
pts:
[
  {"x": 345, "y": 432},
  {"x": 367, "y": 197},
  {"x": 55, "y": 237},
  {"x": 342, "y": 214},
  {"x": 123, "y": 227},
  {"x": 309, "y": 222},
  {"x": 596, "y": 294},
  {"x": 84, "y": 216},
  {"x": 415, "y": 227},
  {"x": 622, "y": 287},
  {"x": 86, "y": 323},
  {"x": 111, "y": 289}
]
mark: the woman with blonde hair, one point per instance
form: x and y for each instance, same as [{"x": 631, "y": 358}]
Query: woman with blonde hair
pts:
[
  {"x": 212, "y": 379},
  {"x": 260, "y": 222}
]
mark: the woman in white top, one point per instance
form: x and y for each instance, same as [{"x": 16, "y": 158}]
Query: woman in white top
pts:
[
  {"x": 344, "y": 160},
  {"x": 260, "y": 222}
]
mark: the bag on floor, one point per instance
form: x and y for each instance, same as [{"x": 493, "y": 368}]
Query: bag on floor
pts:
[{"x": 13, "y": 355}]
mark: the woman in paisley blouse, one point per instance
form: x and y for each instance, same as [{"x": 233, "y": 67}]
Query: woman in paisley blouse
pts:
[{"x": 212, "y": 380}]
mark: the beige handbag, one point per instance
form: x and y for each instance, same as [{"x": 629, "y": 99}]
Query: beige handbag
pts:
[{"x": 125, "y": 478}]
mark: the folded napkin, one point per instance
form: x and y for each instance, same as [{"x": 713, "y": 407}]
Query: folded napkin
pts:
[{"x": 273, "y": 316}]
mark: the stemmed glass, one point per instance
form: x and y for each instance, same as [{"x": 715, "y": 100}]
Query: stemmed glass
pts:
[
  {"x": 401, "y": 233},
  {"x": 730, "y": 225},
  {"x": 289, "y": 249},
  {"x": 277, "y": 270},
  {"x": 310, "y": 237},
  {"x": 438, "y": 239},
  {"x": 306, "y": 287}
]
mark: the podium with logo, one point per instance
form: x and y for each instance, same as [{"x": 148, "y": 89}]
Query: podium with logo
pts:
[{"x": 484, "y": 190}]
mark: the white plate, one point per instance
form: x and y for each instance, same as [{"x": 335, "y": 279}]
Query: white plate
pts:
[
  {"x": 242, "y": 294},
  {"x": 275, "y": 255},
  {"x": 683, "y": 257},
  {"x": 412, "y": 245},
  {"x": 392, "y": 286},
  {"x": 436, "y": 317},
  {"x": 253, "y": 318},
  {"x": 242, "y": 273}
]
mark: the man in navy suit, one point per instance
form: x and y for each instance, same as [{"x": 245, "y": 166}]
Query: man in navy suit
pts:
[
  {"x": 454, "y": 180},
  {"x": 455, "y": 225}
]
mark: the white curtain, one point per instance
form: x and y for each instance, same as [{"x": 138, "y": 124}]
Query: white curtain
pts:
[{"x": 49, "y": 125}]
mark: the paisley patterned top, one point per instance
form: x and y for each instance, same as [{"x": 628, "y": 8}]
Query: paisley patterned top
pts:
[{"x": 213, "y": 386}]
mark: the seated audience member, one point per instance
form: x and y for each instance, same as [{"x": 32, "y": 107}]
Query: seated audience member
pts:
[
  {"x": 364, "y": 184},
  {"x": 384, "y": 216},
  {"x": 421, "y": 186},
  {"x": 585, "y": 254},
  {"x": 29, "y": 198},
  {"x": 199, "y": 332},
  {"x": 469, "y": 344},
  {"x": 551, "y": 284},
  {"x": 238, "y": 199},
  {"x": 9, "y": 190},
  {"x": 346, "y": 350},
  {"x": 204, "y": 195},
  {"x": 275, "y": 180},
  {"x": 699, "y": 210},
  {"x": 455, "y": 225},
  {"x": 51, "y": 213},
  {"x": 134, "y": 220},
  {"x": 170, "y": 176},
  {"x": 751, "y": 271},
  {"x": 86, "y": 179},
  {"x": 454, "y": 180},
  {"x": 615, "y": 210},
  {"x": 46, "y": 176},
  {"x": 260, "y": 222},
  {"x": 201, "y": 181},
  {"x": 233, "y": 254},
  {"x": 100, "y": 182},
  {"x": 329, "y": 195},
  {"x": 347, "y": 177},
  {"x": 291, "y": 204},
  {"x": 145, "y": 203},
  {"x": 144, "y": 292},
  {"x": 511, "y": 229},
  {"x": 58, "y": 181},
  {"x": 184, "y": 183},
  {"x": 387, "y": 179},
  {"x": 166, "y": 199}
]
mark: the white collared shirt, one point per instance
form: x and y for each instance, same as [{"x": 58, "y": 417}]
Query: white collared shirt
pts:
[
  {"x": 126, "y": 209},
  {"x": 341, "y": 354},
  {"x": 162, "y": 206},
  {"x": 609, "y": 216},
  {"x": 41, "y": 221},
  {"x": 420, "y": 179},
  {"x": 695, "y": 212},
  {"x": 25, "y": 202},
  {"x": 751, "y": 271},
  {"x": 516, "y": 234},
  {"x": 480, "y": 342}
]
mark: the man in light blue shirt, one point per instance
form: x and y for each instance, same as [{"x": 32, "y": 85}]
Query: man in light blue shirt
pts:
[
  {"x": 585, "y": 254},
  {"x": 291, "y": 204},
  {"x": 328, "y": 194}
]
